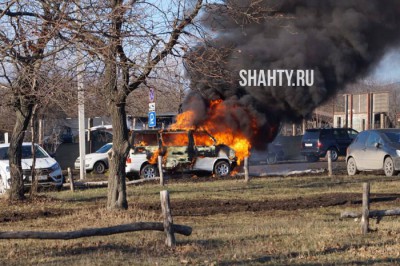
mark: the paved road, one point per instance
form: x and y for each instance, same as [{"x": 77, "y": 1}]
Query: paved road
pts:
[{"x": 294, "y": 167}]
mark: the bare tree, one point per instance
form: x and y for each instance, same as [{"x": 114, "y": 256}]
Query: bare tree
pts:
[
  {"x": 27, "y": 32},
  {"x": 131, "y": 39}
]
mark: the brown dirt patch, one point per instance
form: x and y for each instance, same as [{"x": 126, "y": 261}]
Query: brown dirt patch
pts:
[
  {"x": 39, "y": 209},
  {"x": 211, "y": 207}
]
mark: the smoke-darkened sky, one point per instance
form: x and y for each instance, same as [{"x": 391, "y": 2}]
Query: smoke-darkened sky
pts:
[{"x": 341, "y": 40}]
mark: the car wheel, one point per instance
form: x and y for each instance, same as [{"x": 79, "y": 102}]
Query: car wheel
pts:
[
  {"x": 388, "y": 167},
  {"x": 311, "y": 158},
  {"x": 149, "y": 171},
  {"x": 334, "y": 154},
  {"x": 99, "y": 168},
  {"x": 351, "y": 167},
  {"x": 2, "y": 186},
  {"x": 271, "y": 158},
  {"x": 222, "y": 168}
]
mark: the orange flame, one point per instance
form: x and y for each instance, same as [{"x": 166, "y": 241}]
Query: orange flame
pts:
[
  {"x": 154, "y": 157},
  {"x": 216, "y": 126},
  {"x": 175, "y": 139},
  {"x": 184, "y": 121}
]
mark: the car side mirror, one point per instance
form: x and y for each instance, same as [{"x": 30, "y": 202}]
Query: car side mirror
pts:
[{"x": 377, "y": 145}]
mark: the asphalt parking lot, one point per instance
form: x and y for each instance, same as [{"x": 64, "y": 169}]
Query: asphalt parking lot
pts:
[{"x": 285, "y": 168}]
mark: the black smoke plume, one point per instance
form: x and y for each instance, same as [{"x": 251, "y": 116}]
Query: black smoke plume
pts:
[{"x": 341, "y": 40}]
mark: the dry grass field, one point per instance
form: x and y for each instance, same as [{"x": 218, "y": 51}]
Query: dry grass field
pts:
[{"x": 271, "y": 221}]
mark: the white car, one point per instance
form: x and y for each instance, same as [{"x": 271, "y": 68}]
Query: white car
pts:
[
  {"x": 97, "y": 161},
  {"x": 47, "y": 168}
]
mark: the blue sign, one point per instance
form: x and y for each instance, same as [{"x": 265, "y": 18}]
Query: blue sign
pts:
[{"x": 152, "y": 119}]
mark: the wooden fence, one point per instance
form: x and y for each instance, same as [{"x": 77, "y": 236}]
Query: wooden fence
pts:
[
  {"x": 167, "y": 226},
  {"x": 366, "y": 213}
]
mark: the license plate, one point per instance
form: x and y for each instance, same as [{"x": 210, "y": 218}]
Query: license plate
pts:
[
  {"x": 40, "y": 177},
  {"x": 308, "y": 144}
]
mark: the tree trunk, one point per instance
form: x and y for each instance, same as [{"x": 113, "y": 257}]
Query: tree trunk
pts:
[
  {"x": 23, "y": 109},
  {"x": 116, "y": 198}
]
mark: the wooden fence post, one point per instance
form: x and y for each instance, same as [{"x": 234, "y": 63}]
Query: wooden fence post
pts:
[
  {"x": 246, "y": 169},
  {"x": 365, "y": 209},
  {"x": 71, "y": 179},
  {"x": 168, "y": 222},
  {"x": 329, "y": 163},
  {"x": 160, "y": 170}
]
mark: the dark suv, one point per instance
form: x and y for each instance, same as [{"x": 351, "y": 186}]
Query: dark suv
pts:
[{"x": 316, "y": 142}]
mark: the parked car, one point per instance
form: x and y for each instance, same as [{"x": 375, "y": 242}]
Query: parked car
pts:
[
  {"x": 275, "y": 152},
  {"x": 48, "y": 171},
  {"x": 377, "y": 149},
  {"x": 316, "y": 142},
  {"x": 97, "y": 161},
  {"x": 272, "y": 154},
  {"x": 181, "y": 150}
]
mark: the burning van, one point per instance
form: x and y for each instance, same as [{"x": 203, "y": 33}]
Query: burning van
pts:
[{"x": 181, "y": 150}]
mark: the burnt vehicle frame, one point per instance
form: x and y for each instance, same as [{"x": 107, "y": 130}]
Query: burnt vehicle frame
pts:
[{"x": 181, "y": 151}]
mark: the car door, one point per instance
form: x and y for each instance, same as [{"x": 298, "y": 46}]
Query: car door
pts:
[
  {"x": 176, "y": 148},
  {"x": 374, "y": 153},
  {"x": 357, "y": 150},
  {"x": 205, "y": 151}
]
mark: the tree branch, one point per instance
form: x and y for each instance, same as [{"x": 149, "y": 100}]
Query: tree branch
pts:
[{"x": 176, "y": 33}]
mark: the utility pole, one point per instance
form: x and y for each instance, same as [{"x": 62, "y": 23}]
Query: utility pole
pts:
[
  {"x": 81, "y": 109},
  {"x": 81, "y": 118}
]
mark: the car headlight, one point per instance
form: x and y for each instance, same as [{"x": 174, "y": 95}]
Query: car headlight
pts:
[
  {"x": 55, "y": 167},
  {"x": 398, "y": 152}
]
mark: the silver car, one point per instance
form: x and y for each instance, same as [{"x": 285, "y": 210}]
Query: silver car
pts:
[{"x": 377, "y": 149}]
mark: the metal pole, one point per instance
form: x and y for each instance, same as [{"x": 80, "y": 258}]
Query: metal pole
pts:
[
  {"x": 81, "y": 118},
  {"x": 81, "y": 111}
]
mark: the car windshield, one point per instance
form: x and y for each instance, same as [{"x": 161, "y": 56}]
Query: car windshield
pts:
[
  {"x": 26, "y": 152},
  {"x": 393, "y": 136},
  {"x": 105, "y": 148}
]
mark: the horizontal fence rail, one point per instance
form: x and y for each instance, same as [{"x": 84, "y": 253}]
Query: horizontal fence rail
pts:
[
  {"x": 141, "y": 226},
  {"x": 166, "y": 226}
]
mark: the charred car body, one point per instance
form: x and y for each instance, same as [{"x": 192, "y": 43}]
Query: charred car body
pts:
[{"x": 181, "y": 150}]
